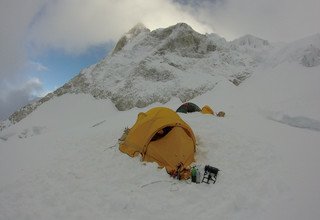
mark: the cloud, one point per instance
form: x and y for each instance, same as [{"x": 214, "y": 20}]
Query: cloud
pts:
[
  {"x": 16, "y": 97},
  {"x": 273, "y": 20},
  {"x": 75, "y": 25},
  {"x": 15, "y": 18},
  {"x": 14, "y": 21},
  {"x": 37, "y": 66}
]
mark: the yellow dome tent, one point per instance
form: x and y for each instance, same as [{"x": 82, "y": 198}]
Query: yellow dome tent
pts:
[
  {"x": 207, "y": 110},
  {"x": 160, "y": 135}
]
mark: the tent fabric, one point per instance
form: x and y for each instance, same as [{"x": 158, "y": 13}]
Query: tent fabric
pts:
[
  {"x": 175, "y": 147},
  {"x": 207, "y": 110},
  {"x": 188, "y": 107}
]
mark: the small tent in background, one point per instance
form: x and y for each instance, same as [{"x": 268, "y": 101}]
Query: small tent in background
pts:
[
  {"x": 160, "y": 135},
  {"x": 191, "y": 107},
  {"x": 207, "y": 110},
  {"x": 221, "y": 114},
  {"x": 188, "y": 107}
]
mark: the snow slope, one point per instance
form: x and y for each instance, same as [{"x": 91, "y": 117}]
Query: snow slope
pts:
[
  {"x": 62, "y": 161},
  {"x": 68, "y": 166}
]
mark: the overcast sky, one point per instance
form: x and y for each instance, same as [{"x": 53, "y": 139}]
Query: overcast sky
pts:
[{"x": 43, "y": 43}]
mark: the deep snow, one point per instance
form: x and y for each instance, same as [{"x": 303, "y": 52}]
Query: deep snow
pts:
[{"x": 63, "y": 162}]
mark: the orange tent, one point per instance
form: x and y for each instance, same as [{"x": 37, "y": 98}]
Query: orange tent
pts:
[
  {"x": 207, "y": 110},
  {"x": 160, "y": 135}
]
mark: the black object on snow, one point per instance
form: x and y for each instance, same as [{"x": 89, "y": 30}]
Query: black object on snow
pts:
[
  {"x": 210, "y": 173},
  {"x": 188, "y": 107}
]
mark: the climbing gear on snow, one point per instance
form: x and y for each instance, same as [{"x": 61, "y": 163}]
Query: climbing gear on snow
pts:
[{"x": 210, "y": 173}]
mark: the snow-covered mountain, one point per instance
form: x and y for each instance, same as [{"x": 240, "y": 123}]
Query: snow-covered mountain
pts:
[
  {"x": 154, "y": 66},
  {"x": 62, "y": 160}
]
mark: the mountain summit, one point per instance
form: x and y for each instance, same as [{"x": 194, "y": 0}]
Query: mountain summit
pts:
[
  {"x": 136, "y": 30},
  {"x": 153, "y": 66}
]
